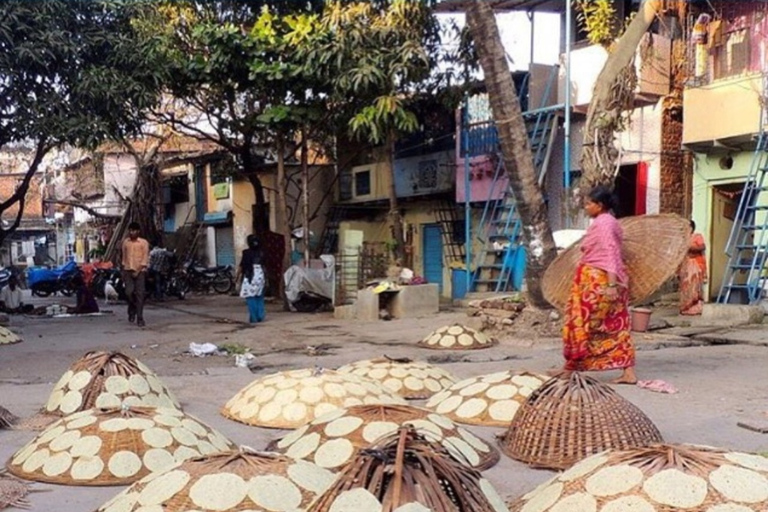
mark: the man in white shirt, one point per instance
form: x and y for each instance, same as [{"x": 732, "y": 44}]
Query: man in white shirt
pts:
[{"x": 10, "y": 297}]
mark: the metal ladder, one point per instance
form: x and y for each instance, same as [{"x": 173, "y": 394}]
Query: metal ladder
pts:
[
  {"x": 447, "y": 215},
  {"x": 500, "y": 226},
  {"x": 747, "y": 247},
  {"x": 329, "y": 242}
]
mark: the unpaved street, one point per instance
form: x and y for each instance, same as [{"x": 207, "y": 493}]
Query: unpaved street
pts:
[{"x": 719, "y": 385}]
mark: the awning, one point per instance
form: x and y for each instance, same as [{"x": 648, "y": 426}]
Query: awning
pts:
[{"x": 212, "y": 218}]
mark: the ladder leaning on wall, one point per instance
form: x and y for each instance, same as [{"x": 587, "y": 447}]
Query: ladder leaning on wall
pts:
[{"x": 745, "y": 277}]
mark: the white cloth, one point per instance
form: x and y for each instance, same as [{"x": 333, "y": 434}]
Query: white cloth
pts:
[
  {"x": 11, "y": 298},
  {"x": 253, "y": 287}
]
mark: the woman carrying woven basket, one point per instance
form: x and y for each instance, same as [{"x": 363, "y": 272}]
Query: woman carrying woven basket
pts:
[{"x": 596, "y": 332}]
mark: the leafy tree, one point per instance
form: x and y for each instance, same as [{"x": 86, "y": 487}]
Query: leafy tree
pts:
[
  {"x": 225, "y": 64},
  {"x": 515, "y": 146},
  {"x": 376, "y": 58},
  {"x": 71, "y": 71}
]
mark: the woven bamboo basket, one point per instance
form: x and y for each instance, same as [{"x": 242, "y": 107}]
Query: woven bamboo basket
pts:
[
  {"x": 13, "y": 492},
  {"x": 105, "y": 380},
  {"x": 232, "y": 481},
  {"x": 653, "y": 248},
  {"x": 456, "y": 337},
  {"x": 291, "y": 399},
  {"x": 490, "y": 400},
  {"x": 406, "y": 471},
  {"x": 8, "y": 337},
  {"x": 114, "y": 446},
  {"x": 412, "y": 380},
  {"x": 7, "y": 418},
  {"x": 659, "y": 477},
  {"x": 568, "y": 419},
  {"x": 331, "y": 440}
]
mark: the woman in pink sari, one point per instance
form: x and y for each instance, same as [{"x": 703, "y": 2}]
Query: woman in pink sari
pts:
[{"x": 596, "y": 333}]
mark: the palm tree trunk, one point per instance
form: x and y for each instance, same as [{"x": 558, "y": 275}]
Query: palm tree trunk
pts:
[
  {"x": 515, "y": 147},
  {"x": 613, "y": 94}
]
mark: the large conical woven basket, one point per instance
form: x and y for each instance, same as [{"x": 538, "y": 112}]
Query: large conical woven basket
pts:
[
  {"x": 407, "y": 472},
  {"x": 230, "y": 481},
  {"x": 114, "y": 446},
  {"x": 107, "y": 379},
  {"x": 653, "y": 248},
  {"x": 331, "y": 440},
  {"x": 657, "y": 478},
  {"x": 568, "y": 419}
]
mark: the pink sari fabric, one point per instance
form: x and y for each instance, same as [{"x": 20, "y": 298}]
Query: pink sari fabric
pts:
[{"x": 601, "y": 247}]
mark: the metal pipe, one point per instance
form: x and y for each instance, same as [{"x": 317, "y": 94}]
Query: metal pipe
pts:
[
  {"x": 467, "y": 194},
  {"x": 567, "y": 123}
]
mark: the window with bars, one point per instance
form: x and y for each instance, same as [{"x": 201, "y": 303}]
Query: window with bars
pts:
[{"x": 731, "y": 58}]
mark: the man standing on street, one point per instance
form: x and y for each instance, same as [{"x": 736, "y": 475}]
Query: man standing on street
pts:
[{"x": 135, "y": 262}]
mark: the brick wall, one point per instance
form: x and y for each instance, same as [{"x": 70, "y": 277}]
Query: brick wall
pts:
[{"x": 33, "y": 207}]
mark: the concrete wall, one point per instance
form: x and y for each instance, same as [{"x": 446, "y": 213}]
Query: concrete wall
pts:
[
  {"x": 723, "y": 110},
  {"x": 709, "y": 173}
]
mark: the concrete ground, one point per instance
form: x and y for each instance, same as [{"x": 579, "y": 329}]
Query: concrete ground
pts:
[{"x": 720, "y": 383}]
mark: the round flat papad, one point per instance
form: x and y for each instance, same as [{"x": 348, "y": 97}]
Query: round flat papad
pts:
[
  {"x": 653, "y": 248},
  {"x": 490, "y": 400},
  {"x": 291, "y": 399},
  {"x": 331, "y": 440},
  {"x": 410, "y": 474},
  {"x": 456, "y": 337},
  {"x": 229, "y": 481},
  {"x": 411, "y": 380},
  {"x": 114, "y": 446},
  {"x": 656, "y": 478},
  {"x": 105, "y": 380}
]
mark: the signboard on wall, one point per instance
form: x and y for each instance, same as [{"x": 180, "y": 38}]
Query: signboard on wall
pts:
[
  {"x": 425, "y": 174},
  {"x": 221, "y": 191}
]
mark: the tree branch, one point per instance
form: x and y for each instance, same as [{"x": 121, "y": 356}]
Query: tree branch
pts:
[{"x": 88, "y": 209}]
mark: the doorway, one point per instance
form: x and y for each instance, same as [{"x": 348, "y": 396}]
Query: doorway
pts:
[
  {"x": 725, "y": 202},
  {"x": 432, "y": 249},
  {"x": 631, "y": 188}
]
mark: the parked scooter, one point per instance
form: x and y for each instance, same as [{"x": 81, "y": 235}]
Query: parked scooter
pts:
[{"x": 44, "y": 281}]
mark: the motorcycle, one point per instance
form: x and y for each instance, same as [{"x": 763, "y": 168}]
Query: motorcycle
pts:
[
  {"x": 203, "y": 279},
  {"x": 44, "y": 282}
]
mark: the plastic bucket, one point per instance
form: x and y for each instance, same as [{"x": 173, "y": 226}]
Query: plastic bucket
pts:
[{"x": 640, "y": 318}]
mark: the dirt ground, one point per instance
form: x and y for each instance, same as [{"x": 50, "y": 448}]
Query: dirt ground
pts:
[{"x": 718, "y": 385}]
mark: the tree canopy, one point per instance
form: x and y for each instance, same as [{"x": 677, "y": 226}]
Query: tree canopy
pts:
[{"x": 71, "y": 71}]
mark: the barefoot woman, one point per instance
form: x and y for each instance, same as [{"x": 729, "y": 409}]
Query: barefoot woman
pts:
[{"x": 596, "y": 331}]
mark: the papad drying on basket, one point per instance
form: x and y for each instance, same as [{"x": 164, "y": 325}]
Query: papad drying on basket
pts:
[
  {"x": 456, "y": 337},
  {"x": 114, "y": 446},
  {"x": 291, "y": 399},
  {"x": 410, "y": 379},
  {"x": 407, "y": 472},
  {"x": 331, "y": 440},
  {"x": 490, "y": 400},
  {"x": 227, "y": 482}
]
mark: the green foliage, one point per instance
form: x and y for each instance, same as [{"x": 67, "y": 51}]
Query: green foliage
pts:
[
  {"x": 598, "y": 17},
  {"x": 71, "y": 71},
  {"x": 374, "y": 59}
]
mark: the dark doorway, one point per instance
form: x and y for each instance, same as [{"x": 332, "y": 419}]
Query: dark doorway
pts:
[{"x": 625, "y": 188}]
